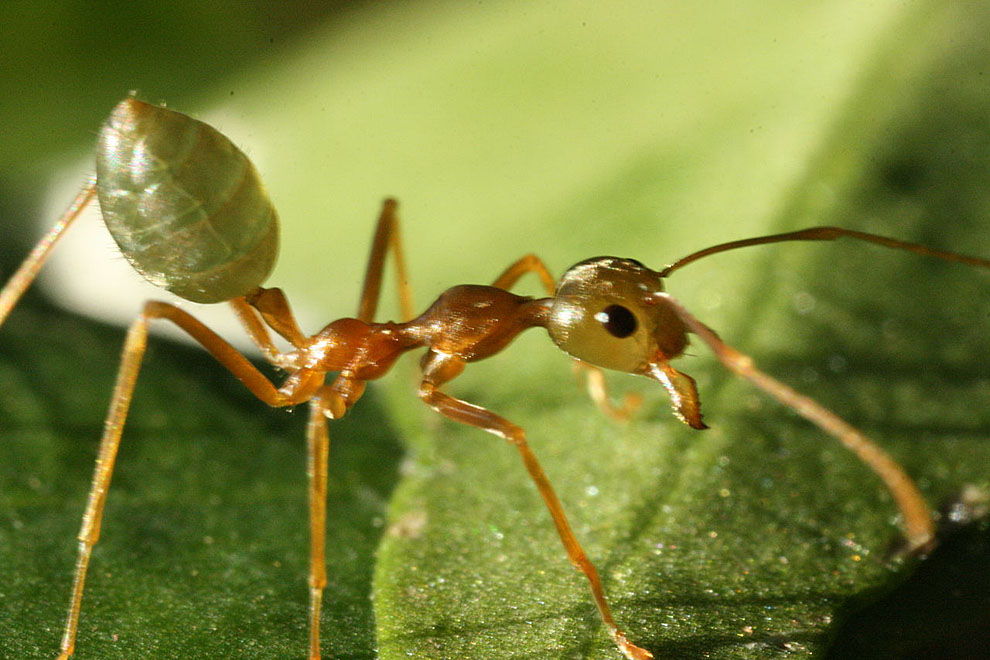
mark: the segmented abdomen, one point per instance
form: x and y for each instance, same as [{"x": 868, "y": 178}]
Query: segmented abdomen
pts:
[{"x": 186, "y": 207}]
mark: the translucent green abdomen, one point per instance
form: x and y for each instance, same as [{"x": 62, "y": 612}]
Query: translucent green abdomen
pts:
[{"x": 186, "y": 206}]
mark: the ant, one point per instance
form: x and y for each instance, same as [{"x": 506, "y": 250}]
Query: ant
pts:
[{"x": 189, "y": 212}]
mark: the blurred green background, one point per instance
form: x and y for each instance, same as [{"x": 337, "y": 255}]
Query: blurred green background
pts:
[{"x": 570, "y": 129}]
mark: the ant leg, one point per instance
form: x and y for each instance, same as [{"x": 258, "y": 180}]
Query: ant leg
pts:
[
  {"x": 594, "y": 377},
  {"x": 317, "y": 457},
  {"x": 598, "y": 391},
  {"x": 21, "y": 280},
  {"x": 298, "y": 388},
  {"x": 273, "y": 308},
  {"x": 439, "y": 370},
  {"x": 527, "y": 264},
  {"x": 386, "y": 236},
  {"x": 918, "y": 525},
  {"x": 330, "y": 402},
  {"x": 256, "y": 330}
]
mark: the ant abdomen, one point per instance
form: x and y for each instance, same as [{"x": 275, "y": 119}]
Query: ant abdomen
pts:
[{"x": 186, "y": 207}]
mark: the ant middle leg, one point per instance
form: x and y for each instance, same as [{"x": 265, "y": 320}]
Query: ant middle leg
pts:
[
  {"x": 317, "y": 459},
  {"x": 438, "y": 370},
  {"x": 386, "y": 237},
  {"x": 328, "y": 403}
]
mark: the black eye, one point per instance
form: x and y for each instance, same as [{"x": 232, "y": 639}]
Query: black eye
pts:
[{"x": 618, "y": 320}]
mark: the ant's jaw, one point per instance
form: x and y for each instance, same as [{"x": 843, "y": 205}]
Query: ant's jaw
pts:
[{"x": 682, "y": 390}]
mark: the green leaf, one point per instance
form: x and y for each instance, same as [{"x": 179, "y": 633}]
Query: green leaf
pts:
[{"x": 647, "y": 131}]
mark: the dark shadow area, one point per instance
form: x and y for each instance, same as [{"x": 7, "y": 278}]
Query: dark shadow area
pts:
[
  {"x": 942, "y": 612},
  {"x": 65, "y": 65}
]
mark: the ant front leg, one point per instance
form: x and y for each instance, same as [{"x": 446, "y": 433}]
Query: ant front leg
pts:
[
  {"x": 527, "y": 264},
  {"x": 439, "y": 369},
  {"x": 300, "y": 387},
  {"x": 598, "y": 391}
]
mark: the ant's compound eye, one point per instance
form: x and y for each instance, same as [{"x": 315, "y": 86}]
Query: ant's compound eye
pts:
[
  {"x": 600, "y": 313},
  {"x": 617, "y": 320}
]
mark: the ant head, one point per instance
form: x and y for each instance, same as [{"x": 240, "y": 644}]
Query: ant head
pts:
[
  {"x": 612, "y": 313},
  {"x": 606, "y": 312}
]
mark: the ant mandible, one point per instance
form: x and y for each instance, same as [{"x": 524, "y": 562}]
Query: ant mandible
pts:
[{"x": 189, "y": 212}]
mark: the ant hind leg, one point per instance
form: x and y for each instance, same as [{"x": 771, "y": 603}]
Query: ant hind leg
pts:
[
  {"x": 22, "y": 279},
  {"x": 130, "y": 365}
]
